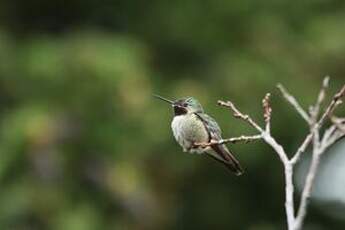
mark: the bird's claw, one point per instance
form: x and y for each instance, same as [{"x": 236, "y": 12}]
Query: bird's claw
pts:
[{"x": 205, "y": 144}]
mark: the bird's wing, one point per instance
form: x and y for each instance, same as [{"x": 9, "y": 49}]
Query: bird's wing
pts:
[
  {"x": 219, "y": 152},
  {"x": 211, "y": 126}
]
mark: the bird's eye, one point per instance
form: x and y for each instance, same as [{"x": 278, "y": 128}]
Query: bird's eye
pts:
[{"x": 185, "y": 104}]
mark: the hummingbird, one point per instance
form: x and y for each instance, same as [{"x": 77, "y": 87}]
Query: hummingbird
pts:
[{"x": 191, "y": 125}]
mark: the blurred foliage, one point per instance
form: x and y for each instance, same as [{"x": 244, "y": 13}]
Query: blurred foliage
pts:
[{"x": 84, "y": 146}]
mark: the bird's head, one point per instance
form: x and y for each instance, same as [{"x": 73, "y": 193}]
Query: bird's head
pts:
[{"x": 184, "y": 105}]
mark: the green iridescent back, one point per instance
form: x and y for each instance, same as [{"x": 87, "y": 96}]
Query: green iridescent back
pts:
[{"x": 194, "y": 103}]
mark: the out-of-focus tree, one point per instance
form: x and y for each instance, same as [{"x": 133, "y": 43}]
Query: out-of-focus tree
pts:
[{"x": 83, "y": 145}]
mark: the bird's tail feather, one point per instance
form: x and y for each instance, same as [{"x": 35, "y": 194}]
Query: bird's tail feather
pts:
[{"x": 223, "y": 155}]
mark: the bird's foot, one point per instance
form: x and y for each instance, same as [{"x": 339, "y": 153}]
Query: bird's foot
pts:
[{"x": 204, "y": 144}]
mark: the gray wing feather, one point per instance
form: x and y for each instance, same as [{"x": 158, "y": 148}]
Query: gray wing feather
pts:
[
  {"x": 219, "y": 152},
  {"x": 211, "y": 126}
]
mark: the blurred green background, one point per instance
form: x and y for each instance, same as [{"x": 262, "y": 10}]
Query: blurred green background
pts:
[{"x": 83, "y": 145}]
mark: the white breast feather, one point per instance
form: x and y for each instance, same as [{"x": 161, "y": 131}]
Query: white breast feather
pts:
[{"x": 189, "y": 129}]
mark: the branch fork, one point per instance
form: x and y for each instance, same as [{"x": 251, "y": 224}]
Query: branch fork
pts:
[{"x": 319, "y": 142}]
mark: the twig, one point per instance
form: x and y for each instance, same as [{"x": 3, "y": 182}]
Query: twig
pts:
[
  {"x": 318, "y": 148},
  {"x": 330, "y": 136},
  {"x": 337, "y": 134},
  {"x": 266, "y": 136},
  {"x": 234, "y": 140},
  {"x": 240, "y": 115},
  {"x": 289, "y": 194},
  {"x": 334, "y": 103},
  {"x": 267, "y": 111},
  {"x": 339, "y": 122},
  {"x": 314, "y": 110},
  {"x": 302, "y": 148},
  {"x": 292, "y": 100},
  {"x": 334, "y": 132},
  {"x": 302, "y": 210}
]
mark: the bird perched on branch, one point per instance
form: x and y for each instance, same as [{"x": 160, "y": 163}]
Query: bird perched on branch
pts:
[{"x": 192, "y": 127}]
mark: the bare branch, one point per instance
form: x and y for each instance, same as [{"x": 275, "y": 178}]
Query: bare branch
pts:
[
  {"x": 276, "y": 147},
  {"x": 289, "y": 191},
  {"x": 330, "y": 136},
  {"x": 339, "y": 122},
  {"x": 266, "y": 136},
  {"x": 245, "y": 139},
  {"x": 302, "y": 210},
  {"x": 314, "y": 110},
  {"x": 302, "y": 148},
  {"x": 332, "y": 139},
  {"x": 318, "y": 149},
  {"x": 234, "y": 140},
  {"x": 267, "y": 111},
  {"x": 333, "y": 134},
  {"x": 322, "y": 94},
  {"x": 240, "y": 115},
  {"x": 336, "y": 101},
  {"x": 292, "y": 100}
]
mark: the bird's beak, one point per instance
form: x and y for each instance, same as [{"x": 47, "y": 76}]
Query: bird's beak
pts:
[{"x": 163, "y": 99}]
